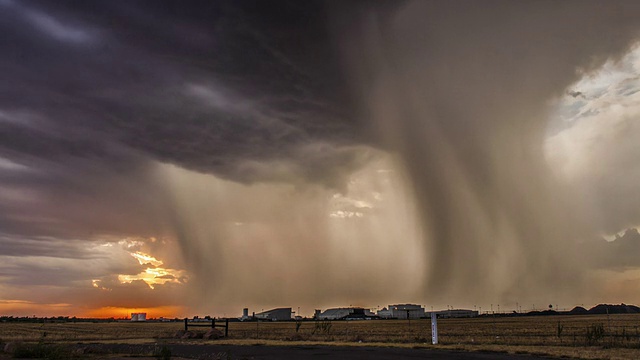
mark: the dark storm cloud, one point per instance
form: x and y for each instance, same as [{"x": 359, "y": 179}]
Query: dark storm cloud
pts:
[
  {"x": 50, "y": 247},
  {"x": 34, "y": 274},
  {"x": 205, "y": 87},
  {"x": 78, "y": 198}
]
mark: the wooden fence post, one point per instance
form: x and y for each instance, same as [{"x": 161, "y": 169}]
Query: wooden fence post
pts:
[
  {"x": 226, "y": 327},
  {"x": 185, "y": 324}
]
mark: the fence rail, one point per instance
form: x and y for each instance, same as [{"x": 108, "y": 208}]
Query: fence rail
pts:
[{"x": 208, "y": 323}]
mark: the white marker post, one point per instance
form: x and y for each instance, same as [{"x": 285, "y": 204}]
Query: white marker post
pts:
[{"x": 434, "y": 329}]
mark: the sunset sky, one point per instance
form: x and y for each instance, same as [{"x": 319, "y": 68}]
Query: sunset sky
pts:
[{"x": 198, "y": 157}]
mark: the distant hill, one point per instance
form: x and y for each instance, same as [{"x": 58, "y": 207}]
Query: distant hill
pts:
[
  {"x": 599, "y": 309},
  {"x": 614, "y": 309},
  {"x": 542, "y": 313},
  {"x": 578, "y": 310}
]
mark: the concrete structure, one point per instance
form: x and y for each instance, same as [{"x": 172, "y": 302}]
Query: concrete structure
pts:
[
  {"x": 455, "y": 313},
  {"x": 345, "y": 314},
  {"x": 138, "y": 316},
  {"x": 278, "y": 314},
  {"x": 407, "y": 311},
  {"x": 245, "y": 315}
]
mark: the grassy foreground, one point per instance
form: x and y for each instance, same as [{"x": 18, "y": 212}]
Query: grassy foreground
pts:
[{"x": 585, "y": 337}]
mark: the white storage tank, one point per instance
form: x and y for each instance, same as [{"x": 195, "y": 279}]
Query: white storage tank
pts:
[{"x": 138, "y": 316}]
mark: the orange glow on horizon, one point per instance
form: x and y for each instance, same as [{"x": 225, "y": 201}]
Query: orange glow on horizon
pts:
[
  {"x": 20, "y": 308},
  {"x": 125, "y": 312},
  {"x": 29, "y": 308}
]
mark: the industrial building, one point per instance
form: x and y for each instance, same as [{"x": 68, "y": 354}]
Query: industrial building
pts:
[
  {"x": 384, "y": 313},
  {"x": 245, "y": 315},
  {"x": 352, "y": 313},
  {"x": 402, "y": 311},
  {"x": 279, "y": 314}
]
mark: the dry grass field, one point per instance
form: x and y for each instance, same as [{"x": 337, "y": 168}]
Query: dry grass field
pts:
[
  {"x": 86, "y": 331},
  {"x": 588, "y": 337},
  {"x": 587, "y": 330}
]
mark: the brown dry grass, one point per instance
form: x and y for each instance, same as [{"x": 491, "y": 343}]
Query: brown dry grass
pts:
[
  {"x": 532, "y": 335},
  {"x": 86, "y": 331},
  {"x": 620, "y": 331}
]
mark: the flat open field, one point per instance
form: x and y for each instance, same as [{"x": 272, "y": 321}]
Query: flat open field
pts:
[
  {"x": 614, "y": 334},
  {"x": 613, "y": 330}
]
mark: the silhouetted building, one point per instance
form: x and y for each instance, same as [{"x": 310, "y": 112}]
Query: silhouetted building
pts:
[
  {"x": 352, "y": 313},
  {"x": 245, "y": 315},
  {"x": 278, "y": 314},
  {"x": 385, "y": 313},
  {"x": 406, "y": 311}
]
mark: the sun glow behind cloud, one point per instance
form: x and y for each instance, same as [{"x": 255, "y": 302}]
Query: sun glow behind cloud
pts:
[
  {"x": 105, "y": 274},
  {"x": 593, "y": 144},
  {"x": 144, "y": 259},
  {"x": 153, "y": 274},
  {"x": 593, "y": 149}
]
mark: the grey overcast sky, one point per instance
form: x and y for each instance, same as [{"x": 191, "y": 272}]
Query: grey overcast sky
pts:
[{"x": 199, "y": 157}]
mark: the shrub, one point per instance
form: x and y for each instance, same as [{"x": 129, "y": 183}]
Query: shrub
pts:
[
  {"x": 323, "y": 327},
  {"x": 42, "y": 351},
  {"x": 594, "y": 334},
  {"x": 164, "y": 353},
  {"x": 559, "y": 330}
]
